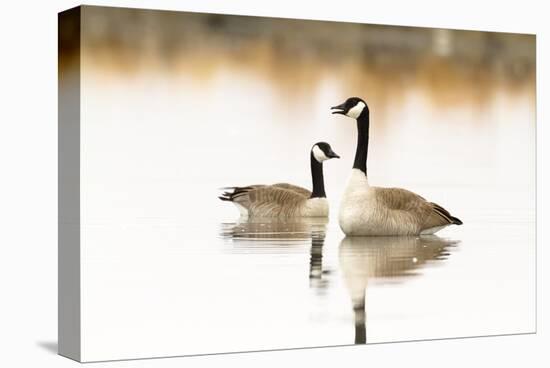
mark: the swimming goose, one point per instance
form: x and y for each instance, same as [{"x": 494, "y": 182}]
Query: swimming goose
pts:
[
  {"x": 283, "y": 199},
  {"x": 366, "y": 210}
]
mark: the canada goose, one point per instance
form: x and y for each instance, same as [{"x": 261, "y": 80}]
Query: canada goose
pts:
[
  {"x": 365, "y": 259},
  {"x": 367, "y": 210},
  {"x": 286, "y": 200}
]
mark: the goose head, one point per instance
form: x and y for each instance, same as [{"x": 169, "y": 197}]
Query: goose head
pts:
[
  {"x": 322, "y": 151},
  {"x": 354, "y": 107}
]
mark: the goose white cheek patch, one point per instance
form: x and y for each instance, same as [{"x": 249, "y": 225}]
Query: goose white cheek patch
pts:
[
  {"x": 356, "y": 110},
  {"x": 319, "y": 154}
]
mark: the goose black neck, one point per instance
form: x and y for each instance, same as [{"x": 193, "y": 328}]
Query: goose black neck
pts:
[
  {"x": 362, "y": 150},
  {"x": 317, "y": 178}
]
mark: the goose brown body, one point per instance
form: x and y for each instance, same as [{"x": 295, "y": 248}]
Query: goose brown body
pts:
[
  {"x": 376, "y": 211},
  {"x": 277, "y": 200}
]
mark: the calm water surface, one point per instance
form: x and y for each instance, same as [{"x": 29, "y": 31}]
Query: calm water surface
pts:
[
  {"x": 397, "y": 288},
  {"x": 238, "y": 286}
]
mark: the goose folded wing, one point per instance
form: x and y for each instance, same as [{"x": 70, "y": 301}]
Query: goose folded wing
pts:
[
  {"x": 427, "y": 214},
  {"x": 275, "y": 201},
  {"x": 400, "y": 199},
  {"x": 302, "y": 191}
]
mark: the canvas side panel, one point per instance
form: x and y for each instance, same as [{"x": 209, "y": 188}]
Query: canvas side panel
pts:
[{"x": 69, "y": 305}]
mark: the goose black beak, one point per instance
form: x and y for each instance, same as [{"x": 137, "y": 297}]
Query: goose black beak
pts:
[
  {"x": 339, "y": 109},
  {"x": 333, "y": 154}
]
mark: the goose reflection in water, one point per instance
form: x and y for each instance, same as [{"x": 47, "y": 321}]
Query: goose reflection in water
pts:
[
  {"x": 363, "y": 259},
  {"x": 278, "y": 235}
]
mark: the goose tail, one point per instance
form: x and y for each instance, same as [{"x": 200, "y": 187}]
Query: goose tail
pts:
[
  {"x": 445, "y": 214},
  {"x": 456, "y": 220},
  {"x": 232, "y": 193}
]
